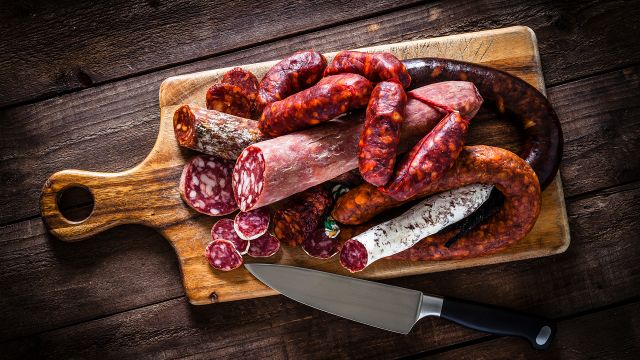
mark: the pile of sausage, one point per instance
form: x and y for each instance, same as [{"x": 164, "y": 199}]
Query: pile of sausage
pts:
[{"x": 285, "y": 144}]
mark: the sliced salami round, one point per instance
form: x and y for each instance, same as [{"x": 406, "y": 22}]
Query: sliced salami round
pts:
[
  {"x": 319, "y": 245},
  {"x": 205, "y": 185},
  {"x": 252, "y": 224},
  {"x": 222, "y": 255},
  {"x": 223, "y": 230},
  {"x": 264, "y": 246}
]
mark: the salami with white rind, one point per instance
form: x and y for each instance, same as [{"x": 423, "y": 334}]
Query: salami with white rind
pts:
[
  {"x": 223, "y": 229},
  {"x": 252, "y": 224},
  {"x": 264, "y": 246},
  {"x": 426, "y": 218},
  {"x": 222, "y": 255},
  {"x": 205, "y": 185},
  {"x": 277, "y": 168}
]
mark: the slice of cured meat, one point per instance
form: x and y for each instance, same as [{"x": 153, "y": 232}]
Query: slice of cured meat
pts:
[
  {"x": 264, "y": 246},
  {"x": 319, "y": 245},
  {"x": 223, "y": 230},
  {"x": 205, "y": 185},
  {"x": 252, "y": 224},
  {"x": 222, "y": 255}
]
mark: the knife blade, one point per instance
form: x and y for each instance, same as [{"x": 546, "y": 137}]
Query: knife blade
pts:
[{"x": 395, "y": 308}]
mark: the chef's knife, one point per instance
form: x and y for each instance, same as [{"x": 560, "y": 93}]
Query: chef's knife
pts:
[{"x": 394, "y": 308}]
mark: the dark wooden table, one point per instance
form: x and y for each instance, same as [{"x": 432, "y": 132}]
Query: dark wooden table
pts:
[{"x": 79, "y": 89}]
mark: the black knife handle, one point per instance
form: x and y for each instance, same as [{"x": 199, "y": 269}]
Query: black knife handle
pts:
[{"x": 494, "y": 320}]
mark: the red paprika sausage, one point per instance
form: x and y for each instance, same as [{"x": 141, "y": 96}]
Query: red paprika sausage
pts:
[
  {"x": 229, "y": 99},
  {"x": 378, "y": 144},
  {"x": 329, "y": 98},
  {"x": 429, "y": 159},
  {"x": 374, "y": 66},
  {"x": 292, "y": 74},
  {"x": 243, "y": 79}
]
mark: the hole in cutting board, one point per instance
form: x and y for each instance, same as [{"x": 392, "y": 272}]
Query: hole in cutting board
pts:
[{"x": 75, "y": 203}]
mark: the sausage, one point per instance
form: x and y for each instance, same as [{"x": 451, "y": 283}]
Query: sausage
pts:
[
  {"x": 292, "y": 74},
  {"x": 222, "y": 255},
  {"x": 480, "y": 164},
  {"x": 245, "y": 80},
  {"x": 301, "y": 215},
  {"x": 264, "y": 246},
  {"x": 426, "y": 218},
  {"x": 213, "y": 132},
  {"x": 429, "y": 159},
  {"x": 381, "y": 133},
  {"x": 523, "y": 103},
  {"x": 329, "y": 98},
  {"x": 229, "y": 99},
  {"x": 277, "y": 168},
  {"x": 374, "y": 66},
  {"x": 223, "y": 229},
  {"x": 252, "y": 224}
]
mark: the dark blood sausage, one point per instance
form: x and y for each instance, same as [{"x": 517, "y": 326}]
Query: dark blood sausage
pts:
[
  {"x": 264, "y": 246},
  {"x": 222, "y": 255},
  {"x": 319, "y": 245},
  {"x": 252, "y": 224},
  {"x": 277, "y": 168},
  {"x": 374, "y": 66},
  {"x": 330, "y": 97},
  {"x": 510, "y": 174},
  {"x": 524, "y": 104},
  {"x": 243, "y": 79},
  {"x": 223, "y": 229},
  {"x": 429, "y": 159},
  {"x": 379, "y": 140},
  {"x": 213, "y": 132},
  {"x": 297, "y": 72},
  {"x": 229, "y": 99},
  {"x": 301, "y": 215},
  {"x": 205, "y": 185}
]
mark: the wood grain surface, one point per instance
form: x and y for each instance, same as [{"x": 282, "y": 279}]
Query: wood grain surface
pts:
[
  {"x": 79, "y": 86},
  {"x": 148, "y": 195}
]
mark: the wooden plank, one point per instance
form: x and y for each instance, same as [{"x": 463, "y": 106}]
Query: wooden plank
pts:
[
  {"x": 600, "y": 268},
  {"x": 607, "y": 334},
  {"x": 102, "y": 41},
  {"x": 103, "y": 44}
]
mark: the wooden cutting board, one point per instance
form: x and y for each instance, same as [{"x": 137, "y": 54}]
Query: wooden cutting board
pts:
[{"x": 148, "y": 194}]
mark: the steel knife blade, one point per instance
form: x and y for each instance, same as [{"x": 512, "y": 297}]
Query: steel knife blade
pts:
[{"x": 395, "y": 308}]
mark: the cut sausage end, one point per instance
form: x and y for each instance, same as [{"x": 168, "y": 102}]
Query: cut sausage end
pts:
[
  {"x": 248, "y": 178},
  {"x": 354, "y": 256},
  {"x": 205, "y": 185},
  {"x": 222, "y": 255},
  {"x": 184, "y": 126}
]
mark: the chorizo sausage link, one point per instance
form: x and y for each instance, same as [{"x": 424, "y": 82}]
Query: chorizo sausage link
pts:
[
  {"x": 381, "y": 133},
  {"x": 374, "y": 66}
]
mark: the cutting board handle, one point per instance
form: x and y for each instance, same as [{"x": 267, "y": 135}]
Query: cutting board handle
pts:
[{"x": 114, "y": 202}]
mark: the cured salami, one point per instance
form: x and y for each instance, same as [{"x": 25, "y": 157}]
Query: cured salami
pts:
[
  {"x": 319, "y": 245},
  {"x": 252, "y": 224},
  {"x": 223, "y": 229},
  {"x": 374, "y": 66},
  {"x": 426, "y": 218},
  {"x": 229, "y": 99},
  {"x": 429, "y": 159},
  {"x": 264, "y": 246},
  {"x": 205, "y": 185},
  {"x": 245, "y": 80},
  {"x": 277, "y": 168},
  {"x": 213, "y": 132},
  {"x": 379, "y": 140},
  {"x": 222, "y": 255},
  {"x": 329, "y": 98},
  {"x": 301, "y": 215},
  {"x": 292, "y": 74}
]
